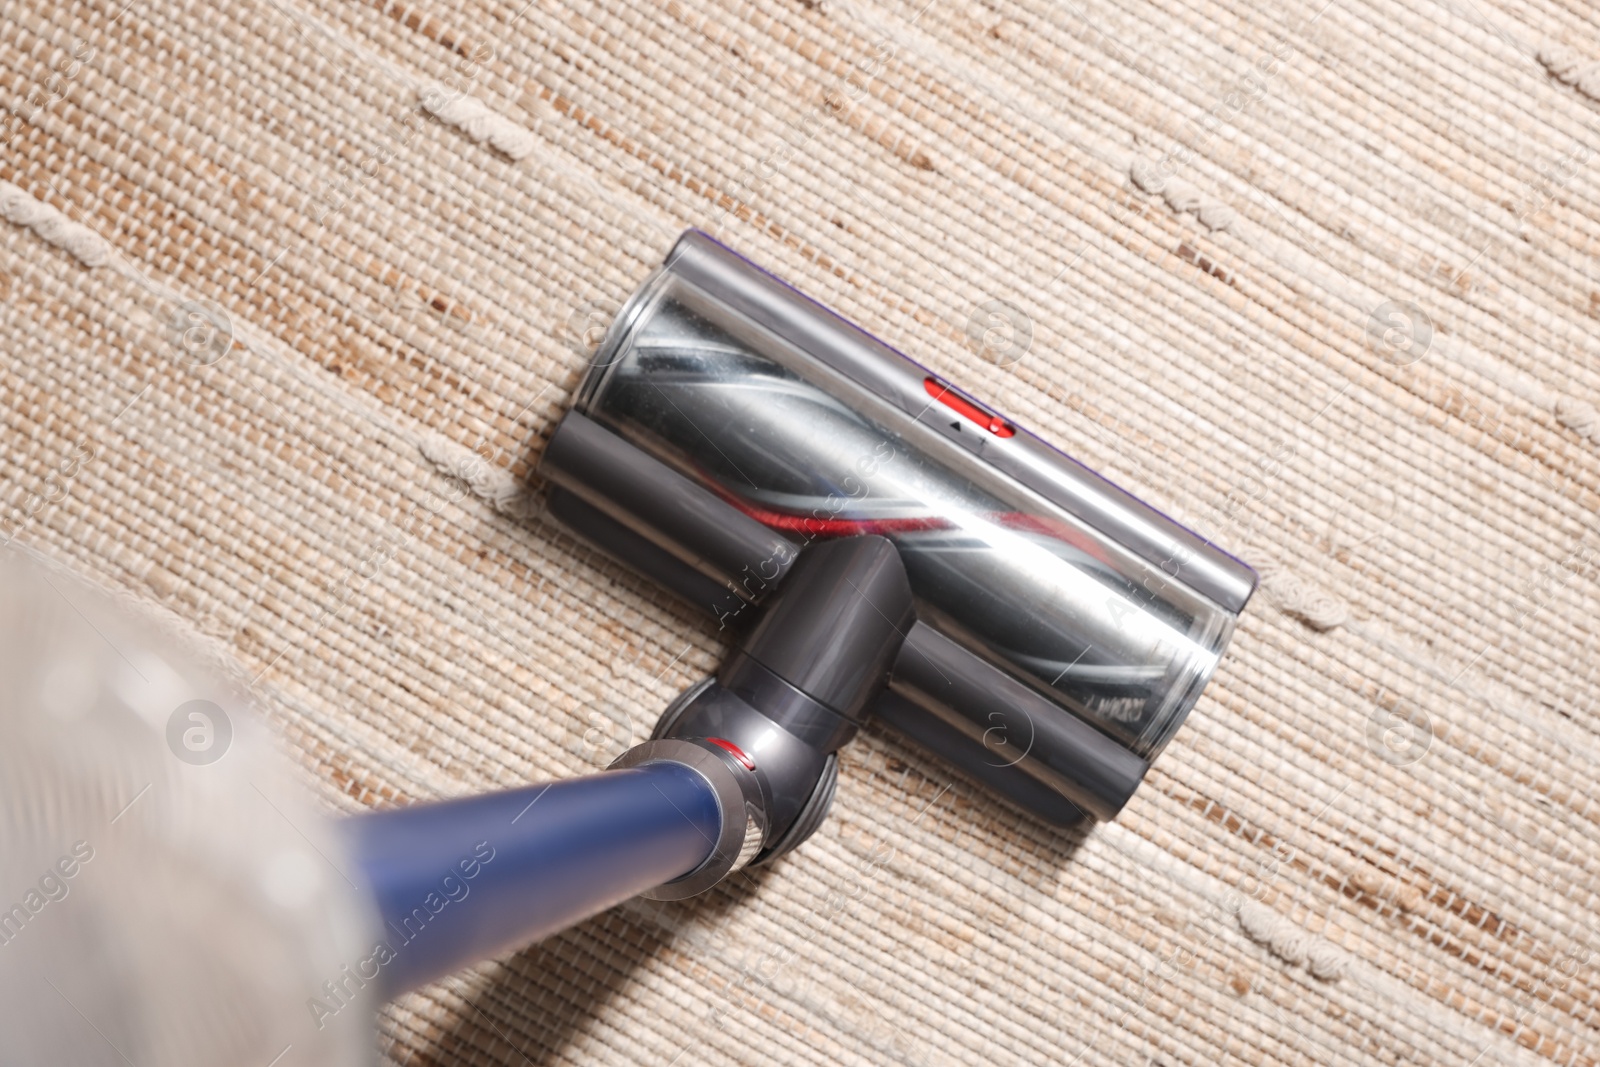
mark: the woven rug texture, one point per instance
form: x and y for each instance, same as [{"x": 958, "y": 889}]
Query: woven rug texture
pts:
[{"x": 294, "y": 292}]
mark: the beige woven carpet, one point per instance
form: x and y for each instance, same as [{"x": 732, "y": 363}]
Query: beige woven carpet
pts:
[{"x": 1315, "y": 276}]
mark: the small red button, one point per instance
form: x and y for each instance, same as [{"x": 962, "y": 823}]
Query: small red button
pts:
[{"x": 967, "y": 409}]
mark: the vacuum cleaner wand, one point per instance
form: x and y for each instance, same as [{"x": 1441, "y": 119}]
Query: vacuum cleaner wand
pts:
[{"x": 743, "y": 767}]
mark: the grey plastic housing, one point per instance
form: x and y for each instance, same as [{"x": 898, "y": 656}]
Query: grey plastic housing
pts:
[
  {"x": 833, "y": 632},
  {"x": 1014, "y": 728},
  {"x": 736, "y": 422},
  {"x": 677, "y": 515},
  {"x": 793, "y": 692}
]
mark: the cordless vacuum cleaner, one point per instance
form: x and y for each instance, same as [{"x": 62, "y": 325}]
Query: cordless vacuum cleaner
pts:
[
  {"x": 882, "y": 545},
  {"x": 878, "y": 544}
]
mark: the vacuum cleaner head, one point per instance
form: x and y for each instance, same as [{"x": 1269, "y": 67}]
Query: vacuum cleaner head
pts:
[{"x": 1061, "y": 628}]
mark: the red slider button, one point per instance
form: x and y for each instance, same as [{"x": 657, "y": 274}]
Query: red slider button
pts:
[{"x": 967, "y": 409}]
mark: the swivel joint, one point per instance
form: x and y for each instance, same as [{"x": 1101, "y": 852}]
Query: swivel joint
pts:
[{"x": 797, "y": 688}]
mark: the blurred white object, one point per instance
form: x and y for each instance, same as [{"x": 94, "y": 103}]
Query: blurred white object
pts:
[{"x": 166, "y": 897}]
